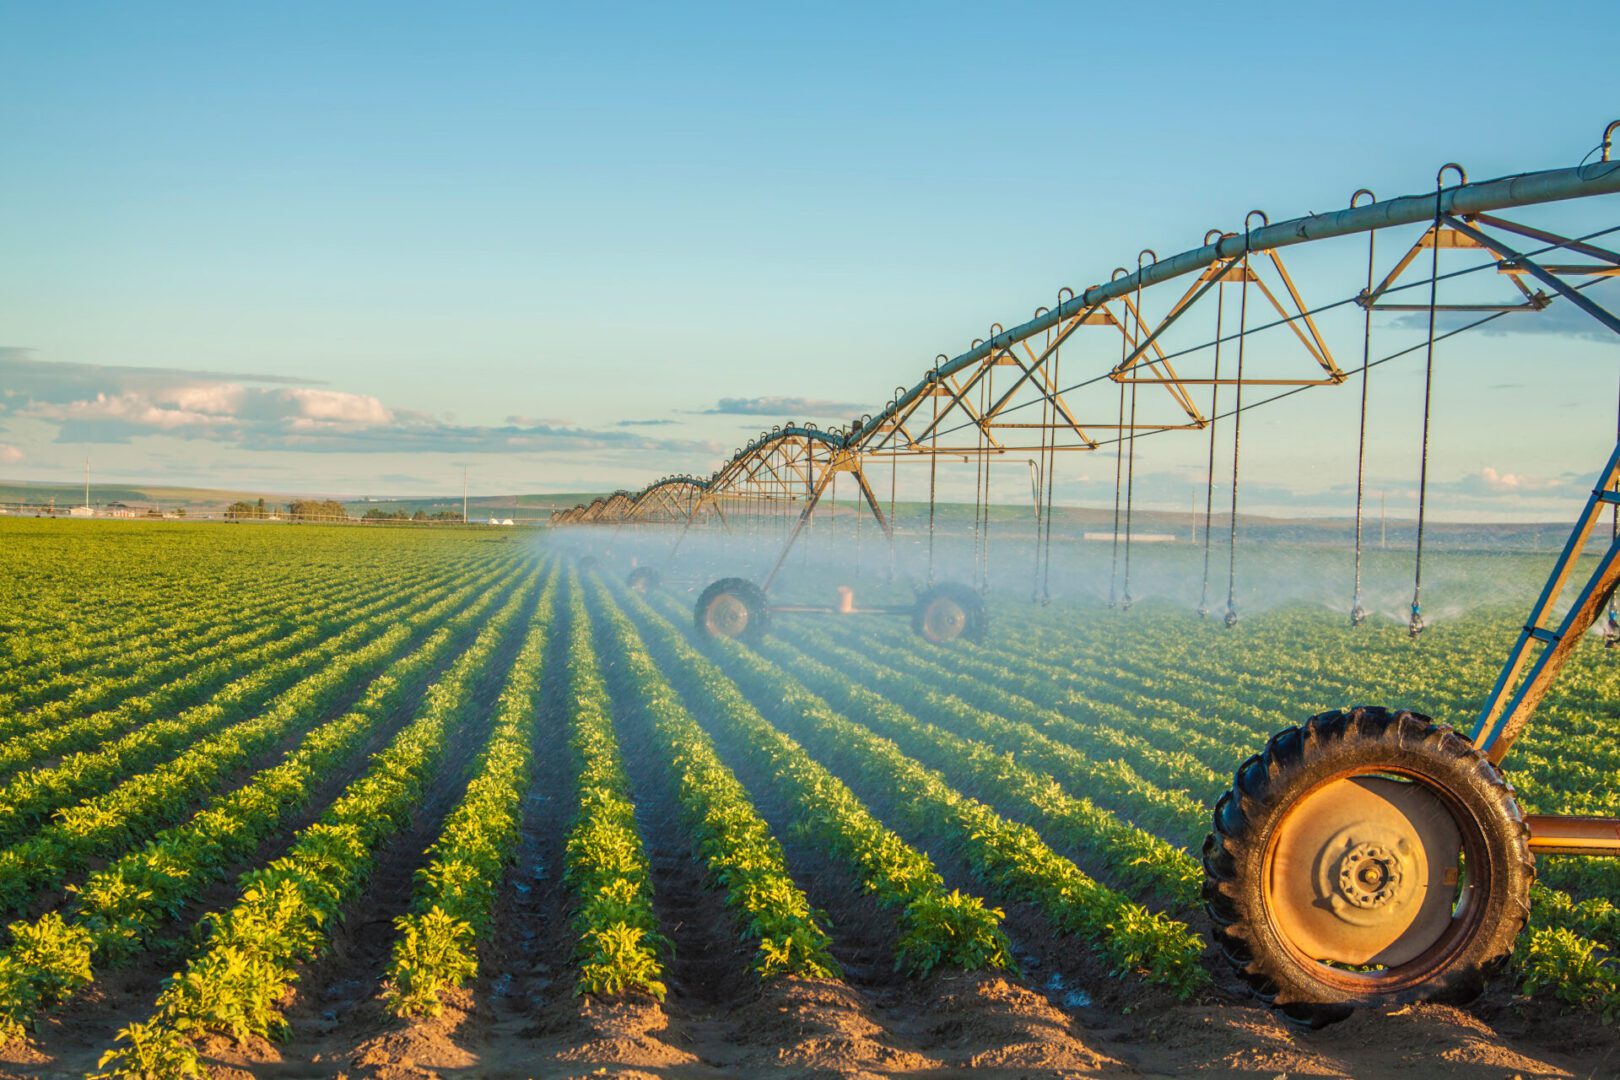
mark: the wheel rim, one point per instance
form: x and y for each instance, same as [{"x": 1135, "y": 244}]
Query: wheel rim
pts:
[
  {"x": 726, "y": 616},
  {"x": 943, "y": 619},
  {"x": 1365, "y": 881}
]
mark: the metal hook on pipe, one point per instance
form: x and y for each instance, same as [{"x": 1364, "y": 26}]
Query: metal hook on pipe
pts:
[
  {"x": 1359, "y": 192},
  {"x": 1608, "y": 138},
  {"x": 1440, "y": 176},
  {"x": 1140, "y": 254}
]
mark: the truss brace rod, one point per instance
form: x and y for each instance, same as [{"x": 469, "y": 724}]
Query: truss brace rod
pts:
[
  {"x": 1553, "y": 281},
  {"x": 1498, "y": 727}
]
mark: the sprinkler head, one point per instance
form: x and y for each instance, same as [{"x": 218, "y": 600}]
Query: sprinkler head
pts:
[
  {"x": 1611, "y": 632},
  {"x": 1125, "y": 604},
  {"x": 1416, "y": 626},
  {"x": 1231, "y": 617},
  {"x": 1358, "y": 614}
]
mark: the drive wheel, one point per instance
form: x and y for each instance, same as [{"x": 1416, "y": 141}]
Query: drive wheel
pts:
[
  {"x": 733, "y": 608},
  {"x": 949, "y": 611},
  {"x": 1369, "y": 857},
  {"x": 644, "y": 579}
]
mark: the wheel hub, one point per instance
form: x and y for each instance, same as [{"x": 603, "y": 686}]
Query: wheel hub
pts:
[
  {"x": 1370, "y": 876},
  {"x": 1364, "y": 872},
  {"x": 944, "y": 620},
  {"x": 727, "y": 616}
]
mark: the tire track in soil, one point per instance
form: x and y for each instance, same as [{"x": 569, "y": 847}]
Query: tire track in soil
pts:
[
  {"x": 72, "y": 1037},
  {"x": 336, "y": 1002}
]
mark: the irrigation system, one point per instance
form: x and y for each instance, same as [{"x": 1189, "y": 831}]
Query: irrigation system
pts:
[{"x": 1366, "y": 856}]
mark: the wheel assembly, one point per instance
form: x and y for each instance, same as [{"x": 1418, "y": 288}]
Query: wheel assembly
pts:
[
  {"x": 949, "y": 611},
  {"x": 587, "y": 563},
  {"x": 733, "y": 608},
  {"x": 644, "y": 579},
  {"x": 1369, "y": 857}
]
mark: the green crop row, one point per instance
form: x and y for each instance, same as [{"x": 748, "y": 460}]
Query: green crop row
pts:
[
  {"x": 454, "y": 898},
  {"x": 288, "y": 909},
  {"x": 728, "y": 834},
  {"x": 1137, "y": 859},
  {"x": 161, "y": 795},
  {"x": 119, "y": 909},
  {"x": 619, "y": 948},
  {"x": 223, "y": 666},
  {"x": 939, "y": 929},
  {"x": 140, "y": 687},
  {"x": 1007, "y": 856},
  {"x": 29, "y": 797}
]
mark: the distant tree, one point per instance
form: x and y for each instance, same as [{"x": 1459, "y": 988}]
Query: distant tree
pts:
[
  {"x": 420, "y": 515},
  {"x": 241, "y": 510},
  {"x": 317, "y": 510},
  {"x": 259, "y": 509}
]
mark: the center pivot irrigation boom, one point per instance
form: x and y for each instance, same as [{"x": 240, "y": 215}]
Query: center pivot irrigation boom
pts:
[{"x": 1368, "y": 856}]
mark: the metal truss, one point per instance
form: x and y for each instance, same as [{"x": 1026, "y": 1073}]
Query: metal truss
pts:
[{"x": 1040, "y": 387}]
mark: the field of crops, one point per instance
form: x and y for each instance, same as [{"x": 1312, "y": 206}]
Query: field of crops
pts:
[{"x": 293, "y": 801}]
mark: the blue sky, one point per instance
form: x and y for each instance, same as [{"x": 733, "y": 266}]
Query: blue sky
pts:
[{"x": 352, "y": 248}]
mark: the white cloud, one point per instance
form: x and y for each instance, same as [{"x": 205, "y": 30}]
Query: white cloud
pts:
[
  {"x": 337, "y": 407},
  {"x": 9, "y": 455},
  {"x": 89, "y": 403},
  {"x": 1514, "y": 482}
]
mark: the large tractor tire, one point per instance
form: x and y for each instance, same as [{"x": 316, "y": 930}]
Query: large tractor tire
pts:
[
  {"x": 644, "y": 579},
  {"x": 733, "y": 608},
  {"x": 1367, "y": 858},
  {"x": 949, "y": 611}
]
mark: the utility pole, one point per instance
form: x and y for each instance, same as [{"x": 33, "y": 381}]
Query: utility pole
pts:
[{"x": 464, "y": 494}]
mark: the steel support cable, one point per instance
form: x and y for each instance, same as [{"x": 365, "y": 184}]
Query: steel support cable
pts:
[
  {"x": 1414, "y": 626},
  {"x": 984, "y": 546},
  {"x": 1050, "y": 468},
  {"x": 1611, "y": 629},
  {"x": 1130, "y": 470},
  {"x": 1119, "y": 464},
  {"x": 1046, "y": 436},
  {"x": 1209, "y": 472},
  {"x": 933, "y": 475},
  {"x": 894, "y": 476},
  {"x": 1358, "y": 613},
  {"x": 1126, "y": 599},
  {"x": 1231, "y": 616}
]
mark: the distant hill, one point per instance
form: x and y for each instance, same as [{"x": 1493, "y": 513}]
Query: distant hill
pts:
[{"x": 1009, "y": 521}]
